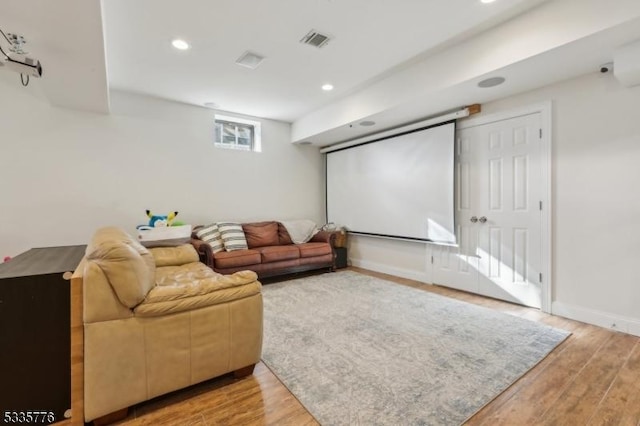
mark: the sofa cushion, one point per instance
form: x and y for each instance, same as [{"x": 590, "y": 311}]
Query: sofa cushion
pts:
[
  {"x": 194, "y": 285},
  {"x": 283, "y": 235},
  {"x": 210, "y": 234},
  {"x": 236, "y": 258},
  {"x": 261, "y": 234},
  {"x": 314, "y": 249},
  {"x": 278, "y": 253},
  {"x": 232, "y": 236},
  {"x": 173, "y": 256},
  {"x": 127, "y": 265}
]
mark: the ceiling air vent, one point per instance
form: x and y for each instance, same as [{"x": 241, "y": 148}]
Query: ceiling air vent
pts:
[
  {"x": 249, "y": 60},
  {"x": 314, "y": 38}
]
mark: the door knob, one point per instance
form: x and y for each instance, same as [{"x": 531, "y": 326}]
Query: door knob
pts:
[
  {"x": 473, "y": 219},
  {"x": 482, "y": 219}
]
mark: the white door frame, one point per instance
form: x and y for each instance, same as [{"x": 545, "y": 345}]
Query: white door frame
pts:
[{"x": 545, "y": 110}]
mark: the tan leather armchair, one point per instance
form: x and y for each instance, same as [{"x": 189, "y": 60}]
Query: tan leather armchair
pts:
[{"x": 157, "y": 320}]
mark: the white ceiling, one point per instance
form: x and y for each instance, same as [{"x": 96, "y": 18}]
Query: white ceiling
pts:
[
  {"x": 532, "y": 50},
  {"x": 88, "y": 47},
  {"x": 369, "y": 39}
]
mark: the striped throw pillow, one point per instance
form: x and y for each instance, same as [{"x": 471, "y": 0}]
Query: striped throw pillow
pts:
[
  {"x": 210, "y": 234},
  {"x": 232, "y": 236}
]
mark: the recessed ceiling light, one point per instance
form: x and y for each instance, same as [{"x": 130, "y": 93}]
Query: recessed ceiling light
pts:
[
  {"x": 211, "y": 105},
  {"x": 327, "y": 87},
  {"x": 491, "y": 82},
  {"x": 180, "y": 44},
  {"x": 487, "y": 1}
]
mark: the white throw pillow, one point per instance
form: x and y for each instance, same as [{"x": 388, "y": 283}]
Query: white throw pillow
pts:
[
  {"x": 232, "y": 236},
  {"x": 210, "y": 234}
]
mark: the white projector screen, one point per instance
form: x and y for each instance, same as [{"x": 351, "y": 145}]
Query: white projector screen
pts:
[{"x": 398, "y": 187}]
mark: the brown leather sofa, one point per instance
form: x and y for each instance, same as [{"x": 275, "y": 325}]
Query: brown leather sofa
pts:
[
  {"x": 271, "y": 252},
  {"x": 157, "y": 320}
]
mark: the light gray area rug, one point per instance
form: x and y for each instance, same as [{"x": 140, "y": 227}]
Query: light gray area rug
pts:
[{"x": 357, "y": 350}]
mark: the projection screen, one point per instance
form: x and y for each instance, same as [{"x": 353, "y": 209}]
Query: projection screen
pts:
[{"x": 398, "y": 187}]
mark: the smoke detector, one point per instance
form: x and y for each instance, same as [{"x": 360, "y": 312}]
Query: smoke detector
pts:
[{"x": 315, "y": 39}]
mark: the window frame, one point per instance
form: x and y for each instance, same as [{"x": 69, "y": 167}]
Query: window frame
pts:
[{"x": 253, "y": 127}]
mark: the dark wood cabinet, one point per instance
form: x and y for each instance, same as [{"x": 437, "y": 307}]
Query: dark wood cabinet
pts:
[
  {"x": 341, "y": 257},
  {"x": 35, "y": 365},
  {"x": 340, "y": 249}
]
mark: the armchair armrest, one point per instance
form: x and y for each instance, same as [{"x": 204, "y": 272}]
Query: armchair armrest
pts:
[{"x": 204, "y": 251}]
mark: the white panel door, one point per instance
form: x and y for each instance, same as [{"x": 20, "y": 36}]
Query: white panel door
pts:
[
  {"x": 457, "y": 266},
  {"x": 499, "y": 191}
]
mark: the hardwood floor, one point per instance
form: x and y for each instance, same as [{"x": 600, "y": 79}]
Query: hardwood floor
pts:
[{"x": 592, "y": 378}]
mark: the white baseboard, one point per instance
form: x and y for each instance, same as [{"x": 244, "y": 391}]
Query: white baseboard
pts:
[
  {"x": 391, "y": 270},
  {"x": 599, "y": 318}
]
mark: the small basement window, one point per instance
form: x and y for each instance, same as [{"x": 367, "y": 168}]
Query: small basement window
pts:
[{"x": 237, "y": 133}]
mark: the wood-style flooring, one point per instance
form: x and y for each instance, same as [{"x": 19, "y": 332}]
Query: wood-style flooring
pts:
[{"x": 592, "y": 378}]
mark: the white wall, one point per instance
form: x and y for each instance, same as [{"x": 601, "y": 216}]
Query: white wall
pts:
[
  {"x": 596, "y": 207},
  {"x": 64, "y": 173},
  {"x": 396, "y": 257}
]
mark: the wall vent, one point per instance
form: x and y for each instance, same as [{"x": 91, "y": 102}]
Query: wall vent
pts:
[{"x": 316, "y": 39}]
